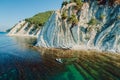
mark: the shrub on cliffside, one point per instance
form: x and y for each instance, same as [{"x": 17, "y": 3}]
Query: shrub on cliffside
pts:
[
  {"x": 93, "y": 21},
  {"x": 78, "y": 2},
  {"x": 102, "y": 16},
  {"x": 73, "y": 20},
  {"x": 64, "y": 15}
]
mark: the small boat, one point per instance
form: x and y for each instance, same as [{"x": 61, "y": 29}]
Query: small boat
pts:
[{"x": 59, "y": 60}]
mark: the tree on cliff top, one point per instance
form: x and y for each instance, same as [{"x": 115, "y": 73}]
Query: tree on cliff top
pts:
[
  {"x": 78, "y": 2},
  {"x": 39, "y": 19},
  {"x": 64, "y": 3}
]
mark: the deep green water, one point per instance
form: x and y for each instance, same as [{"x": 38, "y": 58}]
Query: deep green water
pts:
[{"x": 19, "y": 61}]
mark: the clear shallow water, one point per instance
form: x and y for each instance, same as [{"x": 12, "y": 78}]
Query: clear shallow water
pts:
[{"x": 19, "y": 61}]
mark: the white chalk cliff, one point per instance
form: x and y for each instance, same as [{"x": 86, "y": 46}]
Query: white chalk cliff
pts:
[
  {"x": 103, "y": 35},
  {"x": 24, "y": 28}
]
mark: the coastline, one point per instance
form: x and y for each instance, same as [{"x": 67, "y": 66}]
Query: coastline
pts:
[
  {"x": 2, "y": 32},
  {"x": 74, "y": 48},
  {"x": 22, "y": 35},
  {"x": 64, "y": 53}
]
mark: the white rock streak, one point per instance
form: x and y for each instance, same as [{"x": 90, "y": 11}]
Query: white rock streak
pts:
[
  {"x": 105, "y": 35},
  {"x": 24, "y": 28}
]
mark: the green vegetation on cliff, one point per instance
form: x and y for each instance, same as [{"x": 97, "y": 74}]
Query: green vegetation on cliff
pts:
[
  {"x": 73, "y": 20},
  {"x": 64, "y": 3},
  {"x": 93, "y": 21},
  {"x": 64, "y": 15},
  {"x": 39, "y": 19},
  {"x": 79, "y": 3}
]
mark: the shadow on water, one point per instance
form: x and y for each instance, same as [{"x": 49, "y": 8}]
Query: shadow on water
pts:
[{"x": 21, "y": 61}]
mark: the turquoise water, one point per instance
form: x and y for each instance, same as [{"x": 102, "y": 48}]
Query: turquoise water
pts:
[{"x": 20, "y": 61}]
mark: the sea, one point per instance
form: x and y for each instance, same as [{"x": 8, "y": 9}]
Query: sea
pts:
[{"x": 20, "y": 61}]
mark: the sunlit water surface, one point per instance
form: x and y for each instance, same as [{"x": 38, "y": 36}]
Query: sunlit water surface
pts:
[{"x": 20, "y": 61}]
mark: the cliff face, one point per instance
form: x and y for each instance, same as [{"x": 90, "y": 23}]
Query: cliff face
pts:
[
  {"x": 98, "y": 27},
  {"x": 24, "y": 28},
  {"x": 30, "y": 26}
]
